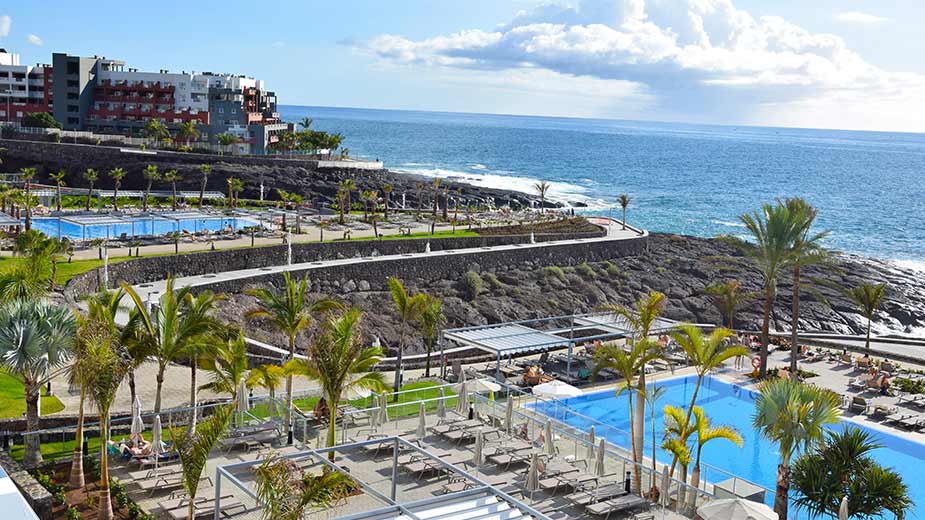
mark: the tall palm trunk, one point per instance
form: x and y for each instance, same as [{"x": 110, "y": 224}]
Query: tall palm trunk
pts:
[
  {"x": 105, "y": 500},
  {"x": 794, "y": 324},
  {"x": 32, "y": 456},
  {"x": 637, "y": 478},
  {"x": 332, "y": 425},
  {"x": 682, "y": 490},
  {"x": 781, "y": 495},
  {"x": 131, "y": 384},
  {"x": 398, "y": 358},
  {"x": 144, "y": 203},
  {"x": 288, "y": 432},
  {"x": 654, "y": 471},
  {"x": 58, "y": 198},
  {"x": 174, "y": 201},
  {"x": 765, "y": 332},
  {"x": 430, "y": 347},
  {"x": 202, "y": 191},
  {"x": 192, "y": 393},
  {"x": 157, "y": 395},
  {"x": 115, "y": 197},
  {"x": 624, "y": 219},
  {"x": 77, "y": 459},
  {"x": 89, "y": 195},
  {"x": 28, "y": 206},
  {"x": 867, "y": 343}
]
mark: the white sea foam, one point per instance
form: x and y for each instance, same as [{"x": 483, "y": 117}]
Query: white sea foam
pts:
[
  {"x": 558, "y": 191},
  {"x": 478, "y": 166},
  {"x": 728, "y": 224},
  {"x": 915, "y": 265}
]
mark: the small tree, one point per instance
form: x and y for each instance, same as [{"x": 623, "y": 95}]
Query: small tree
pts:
[
  {"x": 542, "y": 188},
  {"x": 727, "y": 297},
  {"x": 205, "y": 170},
  {"x": 408, "y": 308},
  {"x": 386, "y": 195},
  {"x": 430, "y": 320},
  {"x": 624, "y": 201},
  {"x": 150, "y": 174},
  {"x": 117, "y": 174},
  {"x": 172, "y": 177},
  {"x": 287, "y": 493},
  {"x": 27, "y": 174},
  {"x": 90, "y": 176},
  {"x": 58, "y": 177},
  {"x": 40, "y": 120},
  {"x": 226, "y": 140},
  {"x": 193, "y": 448},
  {"x": 868, "y": 298}
]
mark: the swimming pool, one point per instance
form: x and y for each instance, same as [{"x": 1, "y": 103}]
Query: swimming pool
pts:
[
  {"x": 58, "y": 228},
  {"x": 730, "y": 404}
]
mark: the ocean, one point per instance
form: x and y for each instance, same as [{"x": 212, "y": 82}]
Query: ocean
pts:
[{"x": 869, "y": 187}]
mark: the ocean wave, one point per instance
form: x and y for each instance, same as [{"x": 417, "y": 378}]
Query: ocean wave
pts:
[
  {"x": 915, "y": 265},
  {"x": 478, "y": 166},
  {"x": 558, "y": 191},
  {"x": 728, "y": 224}
]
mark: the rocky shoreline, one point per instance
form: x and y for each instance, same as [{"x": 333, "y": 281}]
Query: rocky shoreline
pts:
[
  {"x": 679, "y": 266},
  {"x": 316, "y": 185}
]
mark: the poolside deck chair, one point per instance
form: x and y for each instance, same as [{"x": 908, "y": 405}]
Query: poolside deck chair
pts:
[
  {"x": 896, "y": 418},
  {"x": 616, "y": 505},
  {"x": 226, "y": 506},
  {"x": 183, "y": 502},
  {"x": 455, "y": 484},
  {"x": 598, "y": 494},
  {"x": 166, "y": 483},
  {"x": 913, "y": 422},
  {"x": 858, "y": 405}
]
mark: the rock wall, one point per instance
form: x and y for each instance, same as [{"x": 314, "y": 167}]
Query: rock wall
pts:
[
  {"x": 39, "y": 499},
  {"x": 155, "y": 268}
]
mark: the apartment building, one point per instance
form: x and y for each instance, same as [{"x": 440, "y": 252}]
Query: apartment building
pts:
[{"x": 105, "y": 96}]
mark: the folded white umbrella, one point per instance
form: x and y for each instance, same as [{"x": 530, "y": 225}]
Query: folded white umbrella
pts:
[
  {"x": 422, "y": 424},
  {"x": 374, "y": 418},
  {"x": 666, "y": 483},
  {"x": 483, "y": 385},
  {"x": 138, "y": 425},
  {"x": 157, "y": 445},
  {"x": 735, "y": 509},
  {"x": 549, "y": 446},
  {"x": 556, "y": 389},
  {"x": 477, "y": 450},
  {"x": 599, "y": 463},
  {"x": 441, "y": 405},
  {"x": 509, "y": 414},
  {"x": 383, "y": 408},
  {"x": 843, "y": 509},
  {"x": 589, "y": 455},
  {"x": 533, "y": 475},
  {"x": 462, "y": 404},
  {"x": 242, "y": 403}
]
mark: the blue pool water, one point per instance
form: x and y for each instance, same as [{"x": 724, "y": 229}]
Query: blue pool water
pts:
[
  {"x": 54, "y": 227},
  {"x": 730, "y": 404}
]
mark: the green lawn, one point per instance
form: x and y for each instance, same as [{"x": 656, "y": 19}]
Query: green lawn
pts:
[{"x": 13, "y": 402}]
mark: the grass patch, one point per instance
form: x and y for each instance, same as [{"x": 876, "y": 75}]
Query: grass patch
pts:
[{"x": 13, "y": 401}]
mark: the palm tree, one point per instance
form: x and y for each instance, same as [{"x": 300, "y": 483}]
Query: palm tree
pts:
[
  {"x": 678, "y": 430},
  {"x": 305, "y": 123},
  {"x": 707, "y": 432},
  {"x": 437, "y": 181},
  {"x": 705, "y": 353},
  {"x": 321, "y": 225},
  {"x": 27, "y": 174},
  {"x": 624, "y": 201},
  {"x": 286, "y": 493},
  {"x": 365, "y": 197},
  {"x": 188, "y": 131},
  {"x": 430, "y": 319},
  {"x": 155, "y": 130},
  {"x": 205, "y": 170},
  {"x": 58, "y": 177},
  {"x": 804, "y": 251},
  {"x": 868, "y": 298},
  {"x": 227, "y": 366},
  {"x": 80, "y": 375},
  {"x": 266, "y": 376},
  {"x": 203, "y": 346},
  {"x": 235, "y": 186},
  {"x": 110, "y": 369},
  {"x": 387, "y": 196},
  {"x": 641, "y": 322},
  {"x": 345, "y": 187},
  {"x": 542, "y": 188},
  {"x": 225, "y": 140},
  {"x": 290, "y": 313},
  {"x": 408, "y": 308},
  {"x": 150, "y": 174},
  {"x": 727, "y": 297},
  {"x": 90, "y": 176},
  {"x": 794, "y": 416},
  {"x": 172, "y": 177},
  {"x": 36, "y": 341},
  {"x": 629, "y": 364},
  {"x": 117, "y": 174},
  {"x": 652, "y": 396},
  {"x": 338, "y": 361},
  {"x": 193, "y": 448},
  {"x": 775, "y": 229},
  {"x": 419, "y": 187},
  {"x": 170, "y": 329},
  {"x": 842, "y": 468}
]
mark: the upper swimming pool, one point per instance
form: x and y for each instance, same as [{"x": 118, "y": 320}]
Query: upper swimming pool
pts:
[
  {"x": 58, "y": 228},
  {"x": 734, "y": 405}
]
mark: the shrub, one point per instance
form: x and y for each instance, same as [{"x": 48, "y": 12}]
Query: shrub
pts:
[
  {"x": 555, "y": 271},
  {"x": 40, "y": 120},
  {"x": 134, "y": 511},
  {"x": 61, "y": 496},
  {"x": 584, "y": 270},
  {"x": 493, "y": 281},
  {"x": 471, "y": 285},
  {"x": 72, "y": 513},
  {"x": 614, "y": 271},
  {"x": 911, "y": 386}
]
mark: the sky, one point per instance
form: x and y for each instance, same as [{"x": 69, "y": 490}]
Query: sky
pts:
[{"x": 851, "y": 64}]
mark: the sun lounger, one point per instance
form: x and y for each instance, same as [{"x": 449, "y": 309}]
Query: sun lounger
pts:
[
  {"x": 896, "y": 418},
  {"x": 575, "y": 480},
  {"x": 166, "y": 483},
  {"x": 913, "y": 422},
  {"x": 227, "y": 506},
  {"x": 183, "y": 502},
  {"x": 616, "y": 505},
  {"x": 162, "y": 471},
  {"x": 598, "y": 494},
  {"x": 858, "y": 405}
]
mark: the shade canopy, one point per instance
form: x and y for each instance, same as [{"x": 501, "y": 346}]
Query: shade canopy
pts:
[
  {"x": 556, "y": 389},
  {"x": 735, "y": 509}
]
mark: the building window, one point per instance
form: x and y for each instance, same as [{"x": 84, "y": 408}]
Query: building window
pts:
[
  {"x": 73, "y": 121},
  {"x": 221, "y": 110},
  {"x": 73, "y": 67}
]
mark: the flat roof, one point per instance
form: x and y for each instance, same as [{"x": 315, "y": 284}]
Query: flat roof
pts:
[
  {"x": 7, "y": 220},
  {"x": 191, "y": 215},
  {"x": 506, "y": 338},
  {"x": 94, "y": 220}
]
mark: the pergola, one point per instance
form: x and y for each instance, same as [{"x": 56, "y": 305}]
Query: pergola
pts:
[
  {"x": 9, "y": 221},
  {"x": 194, "y": 215},
  {"x": 517, "y": 337},
  {"x": 92, "y": 220}
]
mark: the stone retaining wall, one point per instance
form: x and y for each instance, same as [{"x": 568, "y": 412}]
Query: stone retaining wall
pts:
[
  {"x": 39, "y": 499},
  {"x": 151, "y": 269}
]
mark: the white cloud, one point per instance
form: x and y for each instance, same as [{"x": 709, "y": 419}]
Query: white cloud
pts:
[
  {"x": 5, "y": 23},
  {"x": 697, "y": 59},
  {"x": 859, "y": 17},
  {"x": 34, "y": 40}
]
